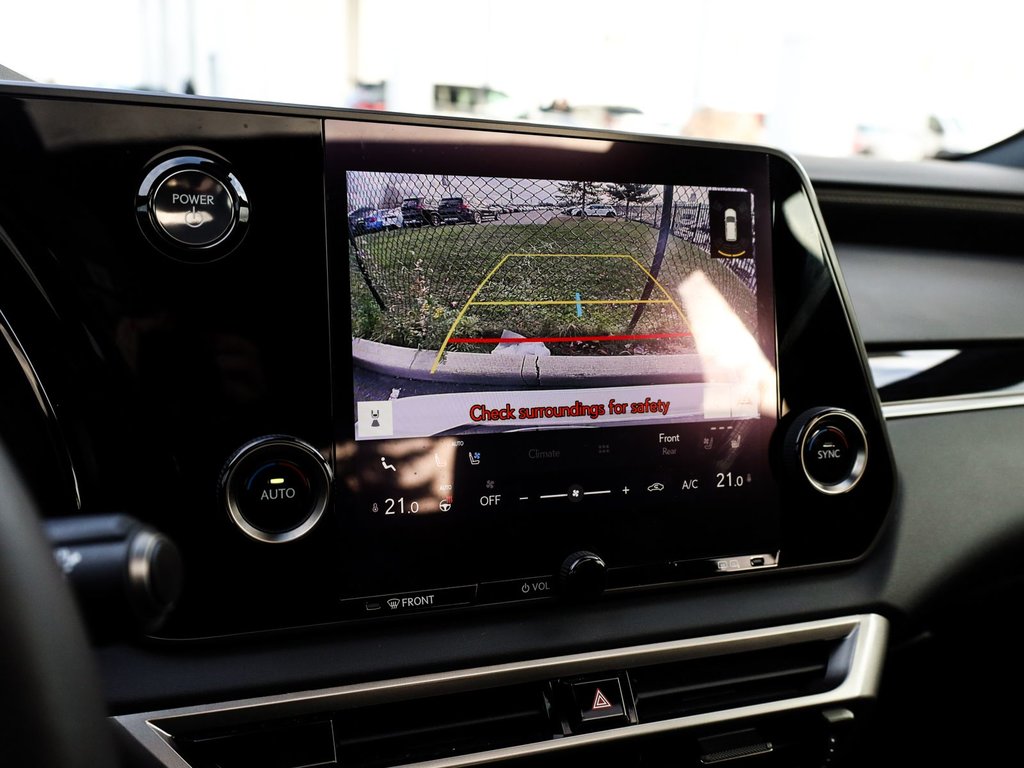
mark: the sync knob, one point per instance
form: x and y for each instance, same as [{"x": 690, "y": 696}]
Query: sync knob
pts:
[{"x": 828, "y": 448}]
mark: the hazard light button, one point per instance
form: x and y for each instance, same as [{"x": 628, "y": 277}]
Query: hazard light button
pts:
[{"x": 600, "y": 700}]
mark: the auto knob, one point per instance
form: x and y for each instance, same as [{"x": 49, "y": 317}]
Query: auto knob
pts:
[
  {"x": 276, "y": 488},
  {"x": 125, "y": 575},
  {"x": 827, "y": 449},
  {"x": 583, "y": 575}
]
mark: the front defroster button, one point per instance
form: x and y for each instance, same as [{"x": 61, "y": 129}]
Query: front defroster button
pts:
[{"x": 407, "y": 602}]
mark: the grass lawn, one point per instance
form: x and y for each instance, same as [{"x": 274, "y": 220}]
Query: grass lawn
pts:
[{"x": 426, "y": 276}]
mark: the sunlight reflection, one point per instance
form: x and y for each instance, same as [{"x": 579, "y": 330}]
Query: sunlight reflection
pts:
[{"x": 730, "y": 354}]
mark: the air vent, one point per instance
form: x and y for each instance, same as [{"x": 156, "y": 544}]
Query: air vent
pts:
[
  {"x": 666, "y": 691},
  {"x": 775, "y": 687},
  {"x": 383, "y": 735},
  {"x": 428, "y": 729}
]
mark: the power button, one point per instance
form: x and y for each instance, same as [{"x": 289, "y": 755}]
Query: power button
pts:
[{"x": 193, "y": 208}]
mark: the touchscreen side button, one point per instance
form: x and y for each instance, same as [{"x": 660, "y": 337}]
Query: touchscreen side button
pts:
[
  {"x": 534, "y": 588},
  {"x": 407, "y": 602}
]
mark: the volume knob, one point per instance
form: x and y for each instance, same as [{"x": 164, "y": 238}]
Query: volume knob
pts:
[{"x": 583, "y": 575}]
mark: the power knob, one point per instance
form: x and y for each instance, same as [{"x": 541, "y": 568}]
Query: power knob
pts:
[
  {"x": 583, "y": 575},
  {"x": 192, "y": 207}
]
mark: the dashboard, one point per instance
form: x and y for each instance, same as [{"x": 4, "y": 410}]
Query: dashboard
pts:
[{"x": 376, "y": 440}]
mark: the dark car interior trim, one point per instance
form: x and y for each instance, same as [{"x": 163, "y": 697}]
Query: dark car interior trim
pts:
[
  {"x": 853, "y": 673},
  {"x": 921, "y": 281}
]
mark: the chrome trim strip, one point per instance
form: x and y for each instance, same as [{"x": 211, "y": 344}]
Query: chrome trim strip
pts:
[
  {"x": 910, "y": 408},
  {"x": 861, "y": 656}
]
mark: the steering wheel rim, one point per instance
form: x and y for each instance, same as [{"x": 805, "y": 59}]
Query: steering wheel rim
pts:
[{"x": 51, "y": 707}]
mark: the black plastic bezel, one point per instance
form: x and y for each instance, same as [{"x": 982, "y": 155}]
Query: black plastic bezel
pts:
[{"x": 98, "y": 287}]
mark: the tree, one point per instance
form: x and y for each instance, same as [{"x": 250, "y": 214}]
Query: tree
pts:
[
  {"x": 392, "y": 197},
  {"x": 578, "y": 193},
  {"x": 630, "y": 193}
]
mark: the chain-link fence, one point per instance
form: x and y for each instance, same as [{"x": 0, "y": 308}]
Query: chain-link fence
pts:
[{"x": 459, "y": 263}]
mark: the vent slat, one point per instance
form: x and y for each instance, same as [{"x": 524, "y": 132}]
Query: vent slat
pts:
[
  {"x": 432, "y": 728},
  {"x": 391, "y": 733},
  {"x": 666, "y": 691}
]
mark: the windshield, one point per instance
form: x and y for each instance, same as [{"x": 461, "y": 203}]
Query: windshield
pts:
[{"x": 884, "y": 79}]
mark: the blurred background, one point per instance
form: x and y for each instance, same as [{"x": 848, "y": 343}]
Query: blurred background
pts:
[{"x": 904, "y": 81}]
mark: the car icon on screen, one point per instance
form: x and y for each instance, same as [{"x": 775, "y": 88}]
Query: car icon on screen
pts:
[{"x": 731, "y": 235}]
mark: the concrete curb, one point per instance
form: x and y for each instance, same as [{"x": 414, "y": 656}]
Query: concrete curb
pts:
[{"x": 528, "y": 371}]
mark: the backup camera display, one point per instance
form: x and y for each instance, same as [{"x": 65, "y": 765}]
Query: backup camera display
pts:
[{"x": 493, "y": 304}]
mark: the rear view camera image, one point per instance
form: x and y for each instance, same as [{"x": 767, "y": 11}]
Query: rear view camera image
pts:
[{"x": 494, "y": 304}]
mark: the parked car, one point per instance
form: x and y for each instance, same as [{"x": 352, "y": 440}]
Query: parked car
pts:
[
  {"x": 365, "y": 219},
  {"x": 594, "y": 209},
  {"x": 453, "y": 210},
  {"x": 419, "y": 211},
  {"x": 392, "y": 218}
]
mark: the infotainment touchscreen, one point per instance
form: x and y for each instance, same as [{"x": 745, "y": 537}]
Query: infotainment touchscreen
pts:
[
  {"x": 549, "y": 352},
  {"x": 483, "y": 303}
]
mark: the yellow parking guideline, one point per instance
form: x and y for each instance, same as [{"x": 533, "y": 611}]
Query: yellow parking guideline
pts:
[
  {"x": 462, "y": 312},
  {"x": 731, "y": 255},
  {"x": 470, "y": 302},
  {"x": 662, "y": 289},
  {"x": 573, "y": 302}
]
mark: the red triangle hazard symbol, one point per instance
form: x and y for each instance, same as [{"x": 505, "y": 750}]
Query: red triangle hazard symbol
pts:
[{"x": 601, "y": 701}]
